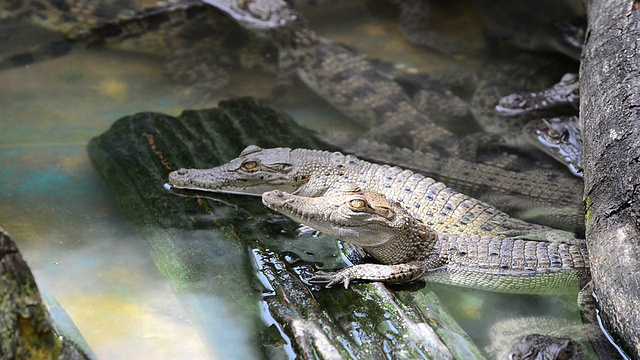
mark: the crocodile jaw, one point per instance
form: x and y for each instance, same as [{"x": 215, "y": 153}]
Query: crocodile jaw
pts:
[{"x": 230, "y": 182}]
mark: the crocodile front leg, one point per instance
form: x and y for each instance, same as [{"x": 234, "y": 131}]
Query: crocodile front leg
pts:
[{"x": 372, "y": 272}]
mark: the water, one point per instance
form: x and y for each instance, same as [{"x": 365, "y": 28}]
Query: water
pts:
[{"x": 68, "y": 227}]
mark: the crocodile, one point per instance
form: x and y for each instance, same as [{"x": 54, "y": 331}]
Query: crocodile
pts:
[
  {"x": 316, "y": 173},
  {"x": 198, "y": 40},
  {"x": 407, "y": 249},
  {"x": 559, "y": 137},
  {"x": 415, "y": 20}
]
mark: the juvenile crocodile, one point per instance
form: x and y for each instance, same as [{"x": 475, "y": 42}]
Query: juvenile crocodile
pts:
[
  {"x": 408, "y": 249},
  {"x": 316, "y": 173},
  {"x": 559, "y": 137}
]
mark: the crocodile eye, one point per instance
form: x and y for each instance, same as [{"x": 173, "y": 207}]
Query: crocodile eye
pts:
[
  {"x": 554, "y": 134},
  {"x": 357, "y": 204},
  {"x": 249, "y": 165}
]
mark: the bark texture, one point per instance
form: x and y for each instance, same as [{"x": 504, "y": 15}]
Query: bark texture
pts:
[{"x": 610, "y": 111}]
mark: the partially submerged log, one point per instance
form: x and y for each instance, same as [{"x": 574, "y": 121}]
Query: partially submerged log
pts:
[
  {"x": 135, "y": 156},
  {"x": 610, "y": 115}
]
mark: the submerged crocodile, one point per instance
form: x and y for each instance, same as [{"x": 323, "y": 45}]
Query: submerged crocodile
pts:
[
  {"x": 316, "y": 173},
  {"x": 546, "y": 337},
  {"x": 559, "y": 137},
  {"x": 199, "y": 43},
  {"x": 352, "y": 83},
  {"x": 544, "y": 347},
  {"x": 408, "y": 249}
]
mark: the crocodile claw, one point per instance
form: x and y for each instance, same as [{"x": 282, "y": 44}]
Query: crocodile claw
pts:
[{"x": 329, "y": 279}]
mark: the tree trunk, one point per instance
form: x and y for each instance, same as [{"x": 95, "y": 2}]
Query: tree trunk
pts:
[{"x": 610, "y": 115}]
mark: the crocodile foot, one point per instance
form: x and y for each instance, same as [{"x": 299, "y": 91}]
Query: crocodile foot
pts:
[
  {"x": 329, "y": 279},
  {"x": 371, "y": 272}
]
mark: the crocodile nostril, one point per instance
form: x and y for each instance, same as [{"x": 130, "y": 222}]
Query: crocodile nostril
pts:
[{"x": 182, "y": 171}]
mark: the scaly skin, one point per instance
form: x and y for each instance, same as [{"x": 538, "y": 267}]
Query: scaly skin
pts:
[
  {"x": 559, "y": 137},
  {"x": 407, "y": 249},
  {"x": 354, "y": 85},
  {"x": 566, "y": 92},
  {"x": 558, "y": 195},
  {"x": 316, "y": 173}
]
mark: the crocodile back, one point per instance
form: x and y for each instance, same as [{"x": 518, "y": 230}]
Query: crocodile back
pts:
[{"x": 438, "y": 206}]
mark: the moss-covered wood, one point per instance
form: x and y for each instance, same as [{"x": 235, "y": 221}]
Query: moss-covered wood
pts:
[{"x": 190, "y": 235}]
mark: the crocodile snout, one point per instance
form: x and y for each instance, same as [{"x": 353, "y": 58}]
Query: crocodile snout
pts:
[{"x": 275, "y": 199}]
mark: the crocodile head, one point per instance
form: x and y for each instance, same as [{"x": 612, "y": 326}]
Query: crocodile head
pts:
[
  {"x": 566, "y": 92},
  {"x": 544, "y": 347},
  {"x": 559, "y": 137},
  {"x": 362, "y": 218},
  {"x": 253, "y": 172}
]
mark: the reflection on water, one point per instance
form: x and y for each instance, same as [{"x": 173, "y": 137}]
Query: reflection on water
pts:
[{"x": 80, "y": 249}]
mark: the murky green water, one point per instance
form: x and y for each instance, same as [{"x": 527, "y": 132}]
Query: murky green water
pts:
[{"x": 84, "y": 253}]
